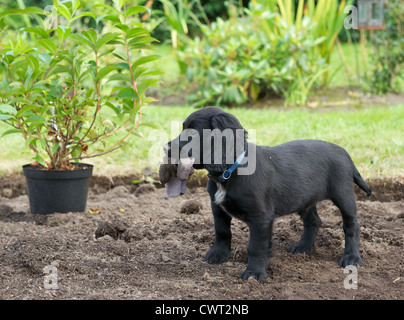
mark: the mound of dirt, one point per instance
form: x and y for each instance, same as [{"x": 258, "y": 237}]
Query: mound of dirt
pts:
[
  {"x": 191, "y": 207},
  {"x": 133, "y": 243}
]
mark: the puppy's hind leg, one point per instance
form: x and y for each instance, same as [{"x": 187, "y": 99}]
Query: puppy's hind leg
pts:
[
  {"x": 347, "y": 206},
  {"x": 259, "y": 250},
  {"x": 311, "y": 223}
]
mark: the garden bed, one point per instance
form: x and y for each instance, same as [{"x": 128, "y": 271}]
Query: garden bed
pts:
[{"x": 135, "y": 244}]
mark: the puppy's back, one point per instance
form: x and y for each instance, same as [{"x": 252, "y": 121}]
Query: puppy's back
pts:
[{"x": 305, "y": 171}]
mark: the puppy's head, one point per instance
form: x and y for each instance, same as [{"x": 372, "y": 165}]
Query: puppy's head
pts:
[{"x": 213, "y": 137}]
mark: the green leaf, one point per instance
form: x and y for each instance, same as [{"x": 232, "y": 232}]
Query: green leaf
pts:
[
  {"x": 127, "y": 93},
  {"x": 32, "y": 61},
  {"x": 84, "y": 14},
  {"x": 106, "y": 7},
  {"x": 55, "y": 148},
  {"x": 135, "y": 10},
  {"x": 120, "y": 77},
  {"x": 26, "y": 109},
  {"x": 152, "y": 125},
  {"x": 11, "y": 131},
  {"x": 133, "y": 113},
  {"x": 120, "y": 53},
  {"x": 58, "y": 69},
  {"x": 45, "y": 57},
  {"x": 40, "y": 85},
  {"x": 105, "y": 38},
  {"x": 112, "y": 107},
  {"x": 6, "y": 108},
  {"x": 78, "y": 37},
  {"x": 38, "y": 30},
  {"x": 143, "y": 60},
  {"x": 29, "y": 10},
  {"x": 104, "y": 71},
  {"x": 35, "y": 118},
  {"x": 28, "y": 75},
  {"x": 138, "y": 72},
  {"x": 136, "y": 32},
  {"x": 6, "y": 116},
  {"x": 63, "y": 32},
  {"x": 76, "y": 5},
  {"x": 63, "y": 10},
  {"x": 122, "y": 65},
  {"x": 91, "y": 35},
  {"x": 48, "y": 45},
  {"x": 145, "y": 83},
  {"x": 152, "y": 73},
  {"x": 9, "y": 58},
  {"x": 39, "y": 159},
  {"x": 142, "y": 40},
  {"x": 109, "y": 17},
  {"x": 105, "y": 53},
  {"x": 121, "y": 26}
]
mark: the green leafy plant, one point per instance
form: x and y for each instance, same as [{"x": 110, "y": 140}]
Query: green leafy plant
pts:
[
  {"x": 179, "y": 15},
  {"x": 238, "y": 61},
  {"x": 69, "y": 90},
  {"x": 327, "y": 17}
]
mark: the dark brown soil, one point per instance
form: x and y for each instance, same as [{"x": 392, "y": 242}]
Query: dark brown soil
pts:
[{"x": 132, "y": 243}]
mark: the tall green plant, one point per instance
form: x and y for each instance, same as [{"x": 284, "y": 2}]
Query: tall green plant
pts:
[
  {"x": 53, "y": 89},
  {"x": 327, "y": 15},
  {"x": 179, "y": 14}
]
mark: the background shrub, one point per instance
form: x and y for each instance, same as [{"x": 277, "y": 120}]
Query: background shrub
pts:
[
  {"x": 388, "y": 45},
  {"x": 254, "y": 55}
]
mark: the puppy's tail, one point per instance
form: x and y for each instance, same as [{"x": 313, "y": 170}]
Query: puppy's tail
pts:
[{"x": 361, "y": 183}]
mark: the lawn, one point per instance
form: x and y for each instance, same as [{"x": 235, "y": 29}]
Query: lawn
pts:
[{"x": 373, "y": 136}]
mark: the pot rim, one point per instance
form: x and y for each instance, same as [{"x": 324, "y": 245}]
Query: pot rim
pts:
[
  {"x": 32, "y": 173},
  {"x": 27, "y": 166}
]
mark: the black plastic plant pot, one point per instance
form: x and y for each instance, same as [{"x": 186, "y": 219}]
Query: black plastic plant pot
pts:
[{"x": 57, "y": 191}]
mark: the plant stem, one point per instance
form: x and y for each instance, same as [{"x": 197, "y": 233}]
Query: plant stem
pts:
[
  {"x": 97, "y": 88},
  {"x": 95, "y": 155}
]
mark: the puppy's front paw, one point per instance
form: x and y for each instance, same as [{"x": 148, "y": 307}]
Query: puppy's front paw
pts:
[
  {"x": 257, "y": 275},
  {"x": 350, "y": 259},
  {"x": 217, "y": 255},
  {"x": 300, "y": 247}
]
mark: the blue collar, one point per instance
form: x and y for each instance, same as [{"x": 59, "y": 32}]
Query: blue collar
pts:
[{"x": 227, "y": 173}]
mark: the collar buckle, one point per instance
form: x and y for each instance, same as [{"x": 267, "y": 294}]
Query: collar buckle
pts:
[{"x": 227, "y": 173}]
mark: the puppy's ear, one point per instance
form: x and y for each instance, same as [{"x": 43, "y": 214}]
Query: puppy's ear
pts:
[{"x": 225, "y": 121}]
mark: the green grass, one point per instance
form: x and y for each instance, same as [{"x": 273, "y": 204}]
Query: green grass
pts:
[{"x": 373, "y": 137}]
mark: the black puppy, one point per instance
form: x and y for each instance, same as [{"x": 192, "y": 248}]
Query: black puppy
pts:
[{"x": 291, "y": 177}]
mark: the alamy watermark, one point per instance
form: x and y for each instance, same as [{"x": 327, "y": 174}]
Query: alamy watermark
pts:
[
  {"x": 351, "y": 21},
  {"x": 50, "y": 281},
  {"x": 351, "y": 280}
]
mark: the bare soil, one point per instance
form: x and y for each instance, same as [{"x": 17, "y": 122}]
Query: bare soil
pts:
[{"x": 132, "y": 243}]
